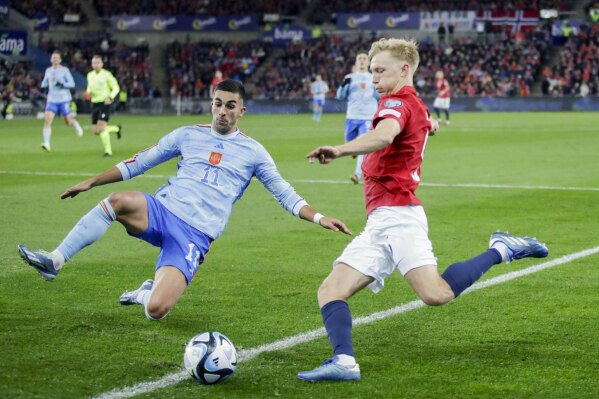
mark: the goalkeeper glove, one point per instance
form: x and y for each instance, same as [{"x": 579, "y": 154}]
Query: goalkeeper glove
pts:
[{"x": 346, "y": 82}]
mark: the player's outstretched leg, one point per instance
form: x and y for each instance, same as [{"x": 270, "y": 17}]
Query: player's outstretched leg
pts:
[
  {"x": 40, "y": 260},
  {"x": 331, "y": 370},
  {"x": 512, "y": 247},
  {"x": 503, "y": 247},
  {"x": 138, "y": 296}
]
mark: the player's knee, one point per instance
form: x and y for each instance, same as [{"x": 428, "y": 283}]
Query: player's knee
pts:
[
  {"x": 118, "y": 201},
  {"x": 122, "y": 203},
  {"x": 157, "y": 310},
  {"x": 330, "y": 291},
  {"x": 437, "y": 297}
]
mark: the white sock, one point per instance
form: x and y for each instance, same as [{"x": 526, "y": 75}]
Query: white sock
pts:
[
  {"x": 58, "y": 259},
  {"x": 47, "y": 132},
  {"x": 77, "y": 128},
  {"x": 143, "y": 296},
  {"x": 502, "y": 248},
  {"x": 346, "y": 360}
]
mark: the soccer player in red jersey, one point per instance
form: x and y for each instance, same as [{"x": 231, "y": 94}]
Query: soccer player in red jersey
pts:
[
  {"x": 443, "y": 97},
  {"x": 396, "y": 232}
]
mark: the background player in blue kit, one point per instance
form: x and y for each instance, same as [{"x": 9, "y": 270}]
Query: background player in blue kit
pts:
[
  {"x": 357, "y": 88},
  {"x": 319, "y": 89},
  {"x": 58, "y": 80},
  {"x": 184, "y": 216}
]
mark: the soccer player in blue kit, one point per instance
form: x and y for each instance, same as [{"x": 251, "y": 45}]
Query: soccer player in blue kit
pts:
[
  {"x": 185, "y": 215},
  {"x": 58, "y": 80},
  {"x": 318, "y": 90},
  {"x": 362, "y": 103}
]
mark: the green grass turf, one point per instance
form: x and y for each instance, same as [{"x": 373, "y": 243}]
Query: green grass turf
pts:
[{"x": 536, "y": 336}]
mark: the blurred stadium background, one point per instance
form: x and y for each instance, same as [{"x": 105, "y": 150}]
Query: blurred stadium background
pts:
[{"x": 508, "y": 56}]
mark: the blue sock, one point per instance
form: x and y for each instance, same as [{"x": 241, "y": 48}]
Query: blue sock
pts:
[
  {"x": 338, "y": 323},
  {"x": 462, "y": 275},
  {"x": 447, "y": 115},
  {"x": 88, "y": 230}
]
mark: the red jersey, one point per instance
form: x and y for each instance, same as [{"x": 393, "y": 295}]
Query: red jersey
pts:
[
  {"x": 392, "y": 174},
  {"x": 443, "y": 88}
]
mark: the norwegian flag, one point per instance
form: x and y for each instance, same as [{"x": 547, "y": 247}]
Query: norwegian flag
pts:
[{"x": 518, "y": 20}]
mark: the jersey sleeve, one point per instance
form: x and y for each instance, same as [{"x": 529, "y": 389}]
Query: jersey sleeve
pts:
[
  {"x": 45, "y": 80},
  {"x": 267, "y": 173},
  {"x": 114, "y": 87},
  {"x": 343, "y": 91},
  {"x": 391, "y": 108},
  {"x": 69, "y": 82},
  {"x": 167, "y": 148}
]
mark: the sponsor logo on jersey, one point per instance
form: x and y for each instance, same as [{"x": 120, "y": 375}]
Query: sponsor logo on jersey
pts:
[
  {"x": 215, "y": 157},
  {"x": 393, "y": 104}
]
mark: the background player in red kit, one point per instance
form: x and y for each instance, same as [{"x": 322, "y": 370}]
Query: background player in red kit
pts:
[
  {"x": 396, "y": 232},
  {"x": 443, "y": 96}
]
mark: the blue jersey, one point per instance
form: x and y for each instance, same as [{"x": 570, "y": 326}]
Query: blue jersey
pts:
[
  {"x": 212, "y": 175},
  {"x": 58, "y": 81},
  {"x": 319, "y": 89},
  {"x": 361, "y": 96}
]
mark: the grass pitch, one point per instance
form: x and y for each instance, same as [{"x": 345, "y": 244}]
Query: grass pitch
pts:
[{"x": 535, "y": 336}]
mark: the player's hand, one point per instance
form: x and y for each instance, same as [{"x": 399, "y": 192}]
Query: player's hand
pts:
[
  {"x": 323, "y": 154},
  {"x": 108, "y": 101},
  {"x": 76, "y": 189},
  {"x": 334, "y": 225},
  {"x": 59, "y": 85},
  {"x": 434, "y": 127},
  {"x": 346, "y": 82}
]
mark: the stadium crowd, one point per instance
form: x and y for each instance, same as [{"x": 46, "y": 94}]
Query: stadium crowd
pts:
[
  {"x": 326, "y": 10},
  {"x": 17, "y": 82},
  {"x": 108, "y": 8},
  {"x": 54, "y": 9},
  {"x": 509, "y": 66},
  {"x": 506, "y": 68},
  {"x": 190, "y": 65},
  {"x": 577, "y": 72}
]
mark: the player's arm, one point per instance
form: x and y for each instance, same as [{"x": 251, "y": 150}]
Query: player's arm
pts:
[
  {"x": 343, "y": 90},
  {"x": 110, "y": 176},
  {"x": 266, "y": 172},
  {"x": 114, "y": 88},
  {"x": 383, "y": 135},
  {"x": 44, "y": 81},
  {"x": 311, "y": 215},
  {"x": 445, "y": 88},
  {"x": 69, "y": 82}
]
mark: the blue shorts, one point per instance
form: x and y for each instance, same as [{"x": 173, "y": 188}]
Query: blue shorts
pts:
[
  {"x": 319, "y": 103},
  {"x": 59, "y": 108},
  {"x": 181, "y": 245},
  {"x": 355, "y": 128}
]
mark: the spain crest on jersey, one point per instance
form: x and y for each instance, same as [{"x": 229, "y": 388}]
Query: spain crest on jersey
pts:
[{"x": 215, "y": 157}]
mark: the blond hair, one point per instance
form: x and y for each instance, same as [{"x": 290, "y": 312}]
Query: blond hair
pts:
[{"x": 405, "y": 50}]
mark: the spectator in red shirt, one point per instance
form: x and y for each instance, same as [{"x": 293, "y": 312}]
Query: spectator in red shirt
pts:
[{"x": 218, "y": 77}]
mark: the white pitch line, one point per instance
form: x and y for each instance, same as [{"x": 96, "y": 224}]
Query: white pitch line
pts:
[
  {"x": 248, "y": 354},
  {"x": 458, "y": 185}
]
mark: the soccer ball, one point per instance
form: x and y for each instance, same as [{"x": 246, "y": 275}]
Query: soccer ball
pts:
[{"x": 210, "y": 357}]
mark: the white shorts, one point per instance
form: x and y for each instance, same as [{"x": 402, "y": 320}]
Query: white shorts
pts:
[
  {"x": 441, "y": 103},
  {"x": 394, "y": 238}
]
